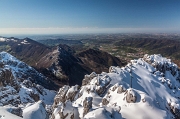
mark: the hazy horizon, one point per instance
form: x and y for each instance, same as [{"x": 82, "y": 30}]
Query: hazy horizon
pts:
[{"x": 89, "y": 16}]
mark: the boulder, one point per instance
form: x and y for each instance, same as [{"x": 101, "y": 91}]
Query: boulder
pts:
[
  {"x": 121, "y": 89},
  {"x": 130, "y": 96}
]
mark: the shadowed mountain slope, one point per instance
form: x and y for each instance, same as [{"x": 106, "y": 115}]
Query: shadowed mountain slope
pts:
[{"x": 59, "y": 63}]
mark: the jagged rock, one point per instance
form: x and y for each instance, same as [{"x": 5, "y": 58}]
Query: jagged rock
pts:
[
  {"x": 39, "y": 88},
  {"x": 12, "y": 63},
  {"x": 152, "y": 87},
  {"x": 100, "y": 90},
  {"x": 161, "y": 66},
  {"x": 35, "y": 97},
  {"x": 130, "y": 96},
  {"x": 6, "y": 77},
  {"x": 88, "y": 78},
  {"x": 102, "y": 83},
  {"x": 27, "y": 83},
  {"x": 17, "y": 111},
  {"x": 1, "y": 65},
  {"x": 112, "y": 69},
  {"x": 65, "y": 111},
  {"x": 113, "y": 88},
  {"x": 61, "y": 96},
  {"x": 121, "y": 89},
  {"x": 61, "y": 101},
  {"x": 105, "y": 101},
  {"x": 174, "y": 110},
  {"x": 72, "y": 93},
  {"x": 5, "y": 93},
  {"x": 87, "y": 104}
]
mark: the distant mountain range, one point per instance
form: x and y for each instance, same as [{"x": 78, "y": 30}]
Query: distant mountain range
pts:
[
  {"x": 59, "y": 63},
  {"x": 53, "y": 42},
  {"x": 165, "y": 47}
]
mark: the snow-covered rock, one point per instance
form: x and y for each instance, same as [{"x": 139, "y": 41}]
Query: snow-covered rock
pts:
[
  {"x": 155, "y": 92},
  {"x": 20, "y": 85},
  {"x": 65, "y": 111},
  {"x": 35, "y": 111},
  {"x": 6, "y": 114}
]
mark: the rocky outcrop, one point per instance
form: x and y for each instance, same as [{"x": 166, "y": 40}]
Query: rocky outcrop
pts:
[
  {"x": 161, "y": 66},
  {"x": 72, "y": 93},
  {"x": 15, "y": 69},
  {"x": 174, "y": 110},
  {"x": 65, "y": 111},
  {"x": 130, "y": 96},
  {"x": 16, "y": 110},
  {"x": 6, "y": 77},
  {"x": 5, "y": 93},
  {"x": 61, "y": 96},
  {"x": 87, "y": 105},
  {"x": 66, "y": 93},
  {"x": 101, "y": 85},
  {"x": 19, "y": 83},
  {"x": 121, "y": 89},
  {"x": 88, "y": 78},
  {"x": 104, "y": 95},
  {"x": 105, "y": 101}
]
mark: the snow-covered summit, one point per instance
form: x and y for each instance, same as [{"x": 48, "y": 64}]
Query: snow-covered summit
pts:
[{"x": 155, "y": 92}]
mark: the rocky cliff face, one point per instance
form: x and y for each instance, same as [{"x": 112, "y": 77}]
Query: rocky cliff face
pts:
[{"x": 154, "y": 92}]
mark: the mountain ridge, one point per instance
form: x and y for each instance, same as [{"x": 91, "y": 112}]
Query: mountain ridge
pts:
[
  {"x": 154, "y": 92},
  {"x": 60, "y": 63}
]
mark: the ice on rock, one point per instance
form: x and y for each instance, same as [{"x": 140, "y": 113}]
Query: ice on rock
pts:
[{"x": 65, "y": 111}]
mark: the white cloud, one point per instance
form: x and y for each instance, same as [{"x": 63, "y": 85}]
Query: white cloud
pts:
[{"x": 82, "y": 30}]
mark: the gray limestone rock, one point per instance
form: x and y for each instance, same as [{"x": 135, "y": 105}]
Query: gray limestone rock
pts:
[
  {"x": 121, "y": 89},
  {"x": 130, "y": 96},
  {"x": 87, "y": 104},
  {"x": 105, "y": 101}
]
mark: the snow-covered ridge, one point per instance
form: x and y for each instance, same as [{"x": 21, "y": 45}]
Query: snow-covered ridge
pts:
[
  {"x": 155, "y": 92},
  {"x": 25, "y": 42},
  {"x": 3, "y": 39},
  {"x": 20, "y": 86}
]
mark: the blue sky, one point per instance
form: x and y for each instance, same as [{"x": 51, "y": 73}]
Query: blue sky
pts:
[{"x": 88, "y": 16}]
